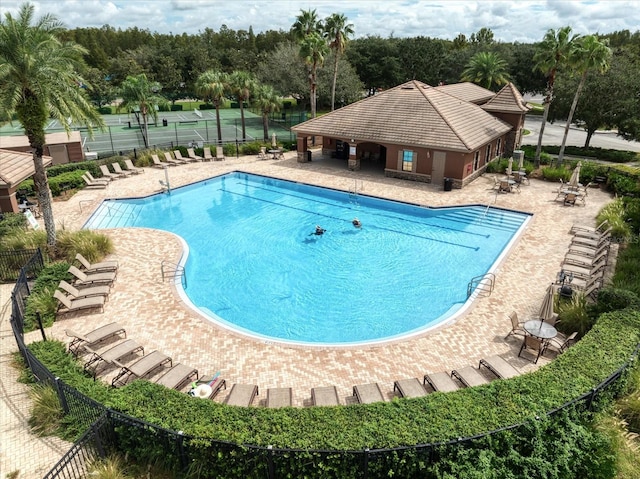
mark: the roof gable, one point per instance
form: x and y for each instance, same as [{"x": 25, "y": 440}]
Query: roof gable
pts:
[
  {"x": 16, "y": 166},
  {"x": 507, "y": 100},
  {"x": 411, "y": 114}
]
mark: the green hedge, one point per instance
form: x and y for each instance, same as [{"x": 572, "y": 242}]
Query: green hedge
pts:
[
  {"x": 402, "y": 422},
  {"x": 605, "y": 154}
]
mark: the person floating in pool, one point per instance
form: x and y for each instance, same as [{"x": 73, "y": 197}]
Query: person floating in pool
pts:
[
  {"x": 319, "y": 231},
  {"x": 356, "y": 223}
]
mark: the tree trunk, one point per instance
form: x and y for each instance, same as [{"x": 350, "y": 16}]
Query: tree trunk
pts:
[
  {"x": 217, "y": 103},
  {"x": 545, "y": 114},
  {"x": 244, "y": 130},
  {"x": 590, "y": 133},
  {"x": 335, "y": 80},
  {"x": 41, "y": 184},
  {"x": 145, "y": 131},
  {"x": 574, "y": 104},
  {"x": 312, "y": 88},
  {"x": 265, "y": 125}
]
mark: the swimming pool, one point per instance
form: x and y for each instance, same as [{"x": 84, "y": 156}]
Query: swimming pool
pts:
[{"x": 255, "y": 265}]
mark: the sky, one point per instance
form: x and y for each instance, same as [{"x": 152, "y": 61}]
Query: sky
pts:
[{"x": 524, "y": 21}]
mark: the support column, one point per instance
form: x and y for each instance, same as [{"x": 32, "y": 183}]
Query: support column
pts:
[
  {"x": 302, "y": 147},
  {"x": 354, "y": 161}
]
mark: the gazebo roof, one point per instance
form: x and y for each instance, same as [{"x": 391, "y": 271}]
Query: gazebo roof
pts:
[
  {"x": 17, "y": 166},
  {"x": 507, "y": 100},
  {"x": 413, "y": 113}
]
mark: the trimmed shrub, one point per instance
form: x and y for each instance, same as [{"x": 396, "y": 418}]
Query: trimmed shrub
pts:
[
  {"x": 613, "y": 299},
  {"x": 176, "y": 107},
  {"x": 12, "y": 221},
  {"x": 614, "y": 214},
  {"x": 93, "y": 246},
  {"x": 252, "y": 148},
  {"x": 41, "y": 299},
  {"x": 555, "y": 174},
  {"x": 105, "y": 110},
  {"x": 207, "y": 106}
]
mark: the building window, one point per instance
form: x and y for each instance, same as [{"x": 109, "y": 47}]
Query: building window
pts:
[
  {"x": 498, "y": 147},
  {"x": 407, "y": 160},
  {"x": 476, "y": 160},
  {"x": 488, "y": 157}
]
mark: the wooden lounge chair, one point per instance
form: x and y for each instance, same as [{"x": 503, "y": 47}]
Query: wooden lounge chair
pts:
[
  {"x": 169, "y": 160},
  {"x": 469, "y": 376},
  {"x": 106, "y": 173},
  {"x": 178, "y": 376},
  {"x": 72, "y": 305},
  {"x": 100, "y": 267},
  {"x": 85, "y": 292},
  {"x": 192, "y": 155},
  {"x": 93, "y": 185},
  {"x": 102, "y": 179},
  {"x": 325, "y": 396},
  {"x": 132, "y": 168},
  {"x": 219, "y": 153},
  {"x": 140, "y": 368},
  {"x": 279, "y": 397},
  {"x": 207, "y": 154},
  {"x": 409, "y": 388},
  {"x": 85, "y": 279},
  {"x": 499, "y": 366},
  {"x": 119, "y": 171},
  {"x": 159, "y": 164},
  {"x": 368, "y": 393},
  {"x": 440, "y": 382},
  {"x": 590, "y": 229},
  {"x": 94, "y": 337},
  {"x": 179, "y": 158},
  {"x": 242, "y": 395},
  {"x": 116, "y": 352}
]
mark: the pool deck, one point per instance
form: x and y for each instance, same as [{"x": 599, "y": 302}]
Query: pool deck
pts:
[{"x": 154, "y": 315}]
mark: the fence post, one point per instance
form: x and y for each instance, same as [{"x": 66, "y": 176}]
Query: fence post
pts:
[
  {"x": 98, "y": 440},
  {"x": 592, "y": 397},
  {"x": 135, "y": 154},
  {"x": 39, "y": 319},
  {"x": 271, "y": 468},
  {"x": 183, "y": 459},
  {"x": 61, "y": 397},
  {"x": 366, "y": 463}
]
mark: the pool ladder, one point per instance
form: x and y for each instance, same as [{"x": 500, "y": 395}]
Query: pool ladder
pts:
[
  {"x": 482, "y": 286},
  {"x": 353, "y": 192},
  {"x": 172, "y": 271}
]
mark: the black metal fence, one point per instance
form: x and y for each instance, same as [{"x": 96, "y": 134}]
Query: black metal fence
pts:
[
  {"x": 110, "y": 431},
  {"x": 12, "y": 262}
]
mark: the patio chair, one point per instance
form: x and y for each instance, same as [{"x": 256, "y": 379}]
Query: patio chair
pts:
[
  {"x": 178, "y": 376},
  {"x": 173, "y": 161},
  {"x": 106, "y": 173},
  {"x": 588, "y": 251},
  {"x": 593, "y": 235},
  {"x": 441, "y": 382},
  {"x": 94, "y": 337},
  {"x": 207, "y": 387},
  {"x": 586, "y": 261},
  {"x": 119, "y": 171},
  {"x": 159, "y": 164},
  {"x": 517, "y": 326},
  {"x": 589, "y": 229},
  {"x": 409, "y": 388},
  {"x": 561, "y": 342},
  {"x": 140, "y": 368},
  {"x": 207, "y": 154},
  {"x": 534, "y": 344},
  {"x": 132, "y": 168},
  {"x": 584, "y": 272},
  {"x": 93, "y": 185},
  {"x": 102, "y": 179},
  {"x": 469, "y": 376},
  {"x": 570, "y": 199},
  {"x": 591, "y": 242},
  {"x": 504, "y": 187},
  {"x": 499, "y": 366},
  {"x": 85, "y": 292},
  {"x": 219, "y": 153},
  {"x": 71, "y": 305},
  {"x": 179, "y": 158},
  {"x": 263, "y": 153},
  {"x": 242, "y": 395},
  {"x": 368, "y": 393},
  {"x": 116, "y": 352},
  {"x": 279, "y": 397},
  {"x": 192, "y": 155},
  {"x": 325, "y": 396},
  {"x": 102, "y": 266},
  {"x": 92, "y": 279},
  {"x": 584, "y": 284}
]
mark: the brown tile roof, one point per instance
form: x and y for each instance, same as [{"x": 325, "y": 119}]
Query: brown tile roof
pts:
[
  {"x": 16, "y": 166},
  {"x": 411, "y": 114},
  {"x": 21, "y": 141},
  {"x": 467, "y": 91},
  {"x": 507, "y": 100}
]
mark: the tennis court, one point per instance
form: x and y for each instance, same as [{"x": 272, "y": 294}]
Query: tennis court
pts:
[{"x": 190, "y": 128}]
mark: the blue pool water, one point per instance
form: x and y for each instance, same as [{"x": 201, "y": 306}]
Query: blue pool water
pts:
[{"x": 254, "y": 263}]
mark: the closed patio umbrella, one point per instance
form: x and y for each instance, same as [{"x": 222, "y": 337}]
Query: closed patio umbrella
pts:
[
  {"x": 520, "y": 160},
  {"x": 575, "y": 176},
  {"x": 546, "y": 308},
  {"x": 274, "y": 141},
  {"x": 510, "y": 167}
]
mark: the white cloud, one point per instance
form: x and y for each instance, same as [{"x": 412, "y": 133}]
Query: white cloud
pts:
[{"x": 523, "y": 21}]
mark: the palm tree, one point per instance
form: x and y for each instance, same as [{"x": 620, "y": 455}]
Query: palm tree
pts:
[
  {"x": 589, "y": 54},
  {"x": 313, "y": 49},
  {"x": 306, "y": 23},
  {"x": 552, "y": 53},
  {"x": 241, "y": 84},
  {"x": 486, "y": 69},
  {"x": 337, "y": 32},
  {"x": 141, "y": 96},
  {"x": 266, "y": 100},
  {"x": 39, "y": 80},
  {"x": 213, "y": 85}
]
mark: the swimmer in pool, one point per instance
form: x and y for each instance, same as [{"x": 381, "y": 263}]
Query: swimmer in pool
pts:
[
  {"x": 319, "y": 231},
  {"x": 356, "y": 223}
]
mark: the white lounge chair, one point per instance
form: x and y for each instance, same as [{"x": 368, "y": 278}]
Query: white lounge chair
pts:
[
  {"x": 119, "y": 171},
  {"x": 83, "y": 279},
  {"x": 132, "y": 168},
  {"x": 72, "y": 305},
  {"x": 106, "y": 173},
  {"x": 96, "y": 267}
]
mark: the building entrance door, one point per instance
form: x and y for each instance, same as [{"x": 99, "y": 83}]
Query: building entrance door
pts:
[{"x": 437, "y": 170}]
